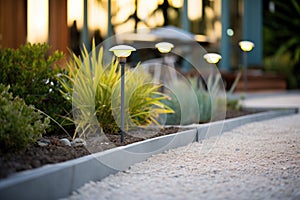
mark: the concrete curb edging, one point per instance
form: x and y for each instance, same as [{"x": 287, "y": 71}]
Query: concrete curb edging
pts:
[
  {"x": 230, "y": 124},
  {"x": 59, "y": 180}
]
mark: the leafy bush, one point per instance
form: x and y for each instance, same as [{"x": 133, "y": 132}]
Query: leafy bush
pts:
[
  {"x": 20, "y": 124},
  {"x": 31, "y": 73},
  {"x": 94, "y": 90}
]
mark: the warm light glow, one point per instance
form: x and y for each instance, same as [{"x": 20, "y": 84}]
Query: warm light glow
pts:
[
  {"x": 140, "y": 36},
  {"x": 97, "y": 16},
  {"x": 37, "y": 21},
  {"x": 194, "y": 9},
  {"x": 122, "y": 51},
  {"x": 126, "y": 8},
  {"x": 177, "y": 3},
  {"x": 246, "y": 45},
  {"x": 217, "y": 6},
  {"x": 160, "y": 2},
  {"x": 212, "y": 58},
  {"x": 201, "y": 38},
  {"x": 164, "y": 47},
  {"x": 157, "y": 19},
  {"x": 145, "y": 7},
  {"x": 75, "y": 12}
]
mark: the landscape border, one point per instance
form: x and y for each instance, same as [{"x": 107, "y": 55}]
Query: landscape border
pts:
[{"x": 60, "y": 180}]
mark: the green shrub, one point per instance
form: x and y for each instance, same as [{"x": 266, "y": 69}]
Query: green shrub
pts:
[
  {"x": 20, "y": 124},
  {"x": 31, "y": 73},
  {"x": 94, "y": 90}
]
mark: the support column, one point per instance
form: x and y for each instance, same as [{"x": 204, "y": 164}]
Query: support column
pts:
[
  {"x": 85, "y": 30},
  {"x": 185, "y": 22},
  {"x": 58, "y": 27},
  {"x": 185, "y": 25},
  {"x": 109, "y": 25},
  {"x": 13, "y": 23},
  {"x": 252, "y": 30},
  {"x": 225, "y": 40}
]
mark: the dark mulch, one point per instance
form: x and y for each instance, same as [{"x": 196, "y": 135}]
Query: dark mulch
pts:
[
  {"x": 238, "y": 113},
  {"x": 36, "y": 156},
  {"x": 135, "y": 135}
]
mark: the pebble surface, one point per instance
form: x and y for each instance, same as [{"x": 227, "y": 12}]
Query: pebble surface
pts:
[{"x": 255, "y": 161}]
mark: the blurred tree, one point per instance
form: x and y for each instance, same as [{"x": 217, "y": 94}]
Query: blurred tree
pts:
[
  {"x": 281, "y": 28},
  {"x": 165, "y": 8},
  {"x": 133, "y": 16},
  {"x": 281, "y": 34}
]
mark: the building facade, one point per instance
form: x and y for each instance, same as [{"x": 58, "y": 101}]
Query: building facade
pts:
[{"x": 223, "y": 22}]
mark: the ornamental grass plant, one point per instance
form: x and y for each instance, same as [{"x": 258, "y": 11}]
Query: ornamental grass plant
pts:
[
  {"x": 207, "y": 102},
  {"x": 94, "y": 91}
]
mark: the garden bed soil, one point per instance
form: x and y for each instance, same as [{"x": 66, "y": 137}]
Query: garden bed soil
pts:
[{"x": 36, "y": 156}]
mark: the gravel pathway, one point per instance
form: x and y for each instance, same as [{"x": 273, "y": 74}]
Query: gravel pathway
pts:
[{"x": 255, "y": 161}]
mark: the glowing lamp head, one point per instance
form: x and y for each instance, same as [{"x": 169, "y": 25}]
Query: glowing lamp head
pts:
[
  {"x": 212, "y": 58},
  {"x": 164, "y": 47},
  {"x": 122, "y": 51},
  {"x": 246, "y": 45}
]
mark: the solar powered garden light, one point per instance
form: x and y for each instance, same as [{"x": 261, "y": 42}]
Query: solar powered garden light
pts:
[
  {"x": 122, "y": 52},
  {"x": 212, "y": 58},
  {"x": 246, "y": 46},
  {"x": 164, "y": 48}
]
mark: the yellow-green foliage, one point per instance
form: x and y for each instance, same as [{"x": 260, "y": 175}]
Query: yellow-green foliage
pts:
[{"x": 94, "y": 90}]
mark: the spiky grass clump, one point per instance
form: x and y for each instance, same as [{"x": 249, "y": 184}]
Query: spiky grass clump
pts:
[{"x": 94, "y": 90}]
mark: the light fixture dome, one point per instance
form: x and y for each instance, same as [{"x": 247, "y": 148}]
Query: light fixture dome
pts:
[
  {"x": 164, "y": 47},
  {"x": 122, "y": 51},
  {"x": 246, "y": 45},
  {"x": 212, "y": 58}
]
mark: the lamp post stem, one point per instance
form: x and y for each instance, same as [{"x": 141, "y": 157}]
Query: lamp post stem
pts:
[
  {"x": 163, "y": 76},
  {"x": 122, "y": 63},
  {"x": 245, "y": 73}
]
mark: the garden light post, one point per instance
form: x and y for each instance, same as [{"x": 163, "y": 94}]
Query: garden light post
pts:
[
  {"x": 122, "y": 52},
  {"x": 164, "y": 48},
  {"x": 246, "y": 46}
]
